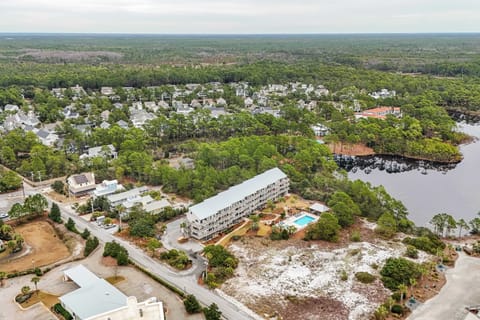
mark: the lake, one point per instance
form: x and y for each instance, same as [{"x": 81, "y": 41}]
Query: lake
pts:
[{"x": 426, "y": 192}]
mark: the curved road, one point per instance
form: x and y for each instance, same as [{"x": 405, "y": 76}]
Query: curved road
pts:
[{"x": 183, "y": 281}]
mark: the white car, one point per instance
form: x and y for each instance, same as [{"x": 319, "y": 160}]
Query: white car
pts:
[{"x": 3, "y": 215}]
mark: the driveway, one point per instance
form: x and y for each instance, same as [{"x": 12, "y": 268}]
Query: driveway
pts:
[{"x": 461, "y": 290}]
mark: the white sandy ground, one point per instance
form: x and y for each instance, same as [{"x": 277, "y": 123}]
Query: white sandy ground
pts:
[{"x": 311, "y": 272}]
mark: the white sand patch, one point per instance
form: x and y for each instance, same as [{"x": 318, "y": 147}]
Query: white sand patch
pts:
[{"x": 311, "y": 272}]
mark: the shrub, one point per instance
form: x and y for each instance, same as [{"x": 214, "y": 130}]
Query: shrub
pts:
[
  {"x": 115, "y": 250},
  {"x": 70, "y": 225},
  {"x": 365, "y": 277},
  {"x": 212, "y": 312},
  {"x": 398, "y": 309},
  {"x": 90, "y": 245},
  {"x": 38, "y": 272},
  {"x": 355, "y": 236},
  {"x": 344, "y": 275},
  {"x": 58, "y": 186},
  {"x": 85, "y": 234},
  {"x": 175, "y": 258},
  {"x": 411, "y": 252},
  {"x": 55, "y": 213},
  {"x": 429, "y": 243},
  {"x": 191, "y": 304},
  {"x": 398, "y": 271},
  {"x": 59, "y": 309}
]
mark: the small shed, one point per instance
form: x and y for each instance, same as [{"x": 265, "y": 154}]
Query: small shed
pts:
[{"x": 318, "y": 208}]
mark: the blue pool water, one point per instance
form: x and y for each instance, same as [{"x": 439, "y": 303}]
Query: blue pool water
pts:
[{"x": 303, "y": 221}]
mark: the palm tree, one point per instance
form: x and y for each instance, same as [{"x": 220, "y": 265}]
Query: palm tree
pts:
[
  {"x": 413, "y": 283},
  {"x": 35, "y": 281},
  {"x": 462, "y": 224},
  {"x": 390, "y": 302},
  {"x": 25, "y": 290},
  {"x": 402, "y": 289},
  {"x": 381, "y": 313},
  {"x": 2, "y": 277}
]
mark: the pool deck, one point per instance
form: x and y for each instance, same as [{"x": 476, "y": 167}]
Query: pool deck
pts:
[{"x": 291, "y": 221}]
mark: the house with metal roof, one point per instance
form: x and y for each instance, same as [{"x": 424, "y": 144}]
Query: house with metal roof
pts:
[
  {"x": 212, "y": 216},
  {"x": 81, "y": 184},
  {"x": 120, "y": 198}
]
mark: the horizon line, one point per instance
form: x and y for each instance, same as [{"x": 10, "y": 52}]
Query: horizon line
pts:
[{"x": 245, "y": 34}]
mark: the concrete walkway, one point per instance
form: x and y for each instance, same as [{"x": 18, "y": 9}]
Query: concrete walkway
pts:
[{"x": 461, "y": 290}]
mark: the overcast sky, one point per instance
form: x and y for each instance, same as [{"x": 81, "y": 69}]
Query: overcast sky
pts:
[{"x": 239, "y": 16}]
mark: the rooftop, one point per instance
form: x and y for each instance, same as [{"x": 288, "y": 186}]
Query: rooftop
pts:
[
  {"x": 94, "y": 296},
  {"x": 236, "y": 193}
]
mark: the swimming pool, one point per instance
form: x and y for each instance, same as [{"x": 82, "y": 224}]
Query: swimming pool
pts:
[{"x": 303, "y": 221}]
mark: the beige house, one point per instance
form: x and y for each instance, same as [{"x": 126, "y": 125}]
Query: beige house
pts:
[{"x": 81, "y": 184}]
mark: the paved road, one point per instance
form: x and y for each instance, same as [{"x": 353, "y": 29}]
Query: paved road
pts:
[
  {"x": 186, "y": 281},
  {"x": 461, "y": 290}
]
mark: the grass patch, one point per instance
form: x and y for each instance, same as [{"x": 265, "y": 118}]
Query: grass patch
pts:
[
  {"x": 263, "y": 230},
  {"x": 114, "y": 279},
  {"x": 49, "y": 300}
]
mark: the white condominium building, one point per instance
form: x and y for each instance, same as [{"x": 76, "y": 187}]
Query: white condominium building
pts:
[{"x": 214, "y": 215}]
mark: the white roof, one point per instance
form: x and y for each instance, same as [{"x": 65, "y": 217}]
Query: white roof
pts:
[
  {"x": 96, "y": 298},
  {"x": 156, "y": 205},
  {"x": 236, "y": 193},
  {"x": 319, "y": 207},
  {"x": 81, "y": 275},
  {"x": 126, "y": 195}
]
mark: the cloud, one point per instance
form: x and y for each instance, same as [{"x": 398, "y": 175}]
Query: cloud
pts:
[{"x": 239, "y": 16}]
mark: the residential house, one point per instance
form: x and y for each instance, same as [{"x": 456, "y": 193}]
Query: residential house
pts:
[
  {"x": 218, "y": 213},
  {"x": 46, "y": 137},
  {"x": 162, "y": 104},
  {"x": 106, "y": 91},
  {"x": 97, "y": 299},
  {"x": 321, "y": 91},
  {"x": 78, "y": 91},
  {"x": 320, "y": 130},
  {"x": 151, "y": 106},
  {"x": 118, "y": 105},
  {"x": 104, "y": 125},
  {"x": 184, "y": 109},
  {"x": 58, "y": 92},
  {"x": 187, "y": 163},
  {"x": 84, "y": 129},
  {"x": 146, "y": 203},
  {"x": 69, "y": 112},
  {"x": 107, "y": 187},
  {"x": 221, "y": 102},
  {"x": 119, "y": 198},
  {"x": 122, "y": 124},
  {"x": 379, "y": 113},
  {"x": 140, "y": 117},
  {"x": 11, "y": 108},
  {"x": 217, "y": 112},
  {"x": 383, "y": 94},
  {"x": 81, "y": 184},
  {"x": 108, "y": 151},
  {"x": 105, "y": 115},
  {"x": 248, "y": 102}
]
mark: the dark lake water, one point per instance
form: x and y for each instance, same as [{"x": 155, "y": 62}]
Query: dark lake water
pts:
[{"x": 426, "y": 192}]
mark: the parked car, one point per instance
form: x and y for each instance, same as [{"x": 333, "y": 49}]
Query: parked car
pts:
[{"x": 3, "y": 215}]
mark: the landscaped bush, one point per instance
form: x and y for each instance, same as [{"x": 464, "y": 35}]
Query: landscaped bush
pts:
[
  {"x": 429, "y": 244},
  {"x": 191, "y": 304},
  {"x": 115, "y": 250},
  {"x": 90, "y": 245},
  {"x": 175, "y": 258},
  {"x": 222, "y": 263},
  {"x": 398, "y": 309},
  {"x": 21, "y": 298},
  {"x": 60, "y": 310},
  {"x": 365, "y": 277}
]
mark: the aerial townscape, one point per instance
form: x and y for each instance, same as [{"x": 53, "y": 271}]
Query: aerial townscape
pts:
[{"x": 239, "y": 161}]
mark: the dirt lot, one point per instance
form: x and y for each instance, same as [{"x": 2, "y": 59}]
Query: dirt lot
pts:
[{"x": 42, "y": 247}]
